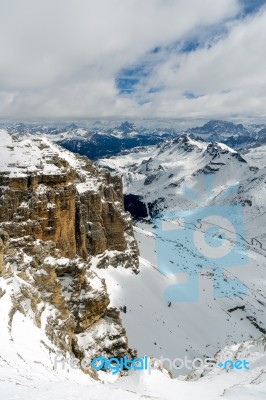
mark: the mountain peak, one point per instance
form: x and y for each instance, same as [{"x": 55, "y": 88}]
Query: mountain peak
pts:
[
  {"x": 127, "y": 127},
  {"x": 218, "y": 127},
  {"x": 215, "y": 148}
]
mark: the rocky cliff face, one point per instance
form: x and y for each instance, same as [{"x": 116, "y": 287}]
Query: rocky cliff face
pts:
[
  {"x": 62, "y": 198},
  {"x": 59, "y": 215}
]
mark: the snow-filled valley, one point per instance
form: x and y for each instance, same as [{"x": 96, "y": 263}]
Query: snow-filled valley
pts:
[{"x": 192, "y": 329}]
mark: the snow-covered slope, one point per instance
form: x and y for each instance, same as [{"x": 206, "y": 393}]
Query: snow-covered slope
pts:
[
  {"x": 21, "y": 156},
  {"x": 193, "y": 329},
  {"x": 185, "y": 174},
  {"x": 27, "y": 372}
]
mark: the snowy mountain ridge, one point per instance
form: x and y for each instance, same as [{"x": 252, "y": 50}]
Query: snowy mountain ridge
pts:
[{"x": 158, "y": 175}]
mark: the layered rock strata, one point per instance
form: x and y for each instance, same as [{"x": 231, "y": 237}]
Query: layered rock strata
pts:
[{"x": 58, "y": 212}]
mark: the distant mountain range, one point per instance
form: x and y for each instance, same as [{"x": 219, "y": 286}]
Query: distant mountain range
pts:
[
  {"x": 98, "y": 143},
  {"x": 238, "y": 136}
]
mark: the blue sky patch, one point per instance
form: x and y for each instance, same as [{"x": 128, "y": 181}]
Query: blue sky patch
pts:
[
  {"x": 252, "y": 6},
  {"x": 191, "y": 95},
  {"x": 128, "y": 78}
]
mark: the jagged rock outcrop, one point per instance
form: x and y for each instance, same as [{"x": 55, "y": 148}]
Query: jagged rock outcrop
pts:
[
  {"x": 62, "y": 198},
  {"x": 60, "y": 215}
]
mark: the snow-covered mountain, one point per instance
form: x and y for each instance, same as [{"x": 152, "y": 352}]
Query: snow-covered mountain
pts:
[
  {"x": 126, "y": 129},
  {"x": 183, "y": 175},
  {"x": 238, "y": 136},
  {"x": 219, "y": 127},
  {"x": 163, "y": 177}
]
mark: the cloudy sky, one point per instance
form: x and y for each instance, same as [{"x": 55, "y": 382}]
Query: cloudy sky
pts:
[{"x": 76, "y": 59}]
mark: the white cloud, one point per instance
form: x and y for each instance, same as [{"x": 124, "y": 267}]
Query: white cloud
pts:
[
  {"x": 59, "y": 59},
  {"x": 229, "y": 77}
]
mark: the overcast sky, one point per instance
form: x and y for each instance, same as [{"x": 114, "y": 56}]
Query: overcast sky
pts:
[{"x": 71, "y": 59}]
